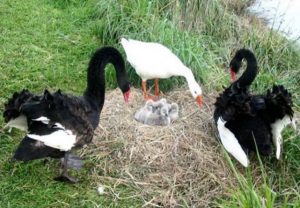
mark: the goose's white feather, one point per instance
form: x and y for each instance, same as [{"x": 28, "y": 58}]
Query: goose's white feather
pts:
[
  {"x": 61, "y": 139},
  {"x": 153, "y": 60},
  {"x": 231, "y": 144}
]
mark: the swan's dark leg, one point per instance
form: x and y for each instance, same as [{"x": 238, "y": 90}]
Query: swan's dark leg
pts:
[
  {"x": 65, "y": 177},
  {"x": 46, "y": 160},
  {"x": 156, "y": 87},
  {"x": 74, "y": 162}
]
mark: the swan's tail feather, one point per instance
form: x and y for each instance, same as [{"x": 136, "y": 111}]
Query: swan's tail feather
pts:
[{"x": 13, "y": 105}]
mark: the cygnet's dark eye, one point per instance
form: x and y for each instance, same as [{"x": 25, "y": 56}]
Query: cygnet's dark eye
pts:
[{"x": 195, "y": 92}]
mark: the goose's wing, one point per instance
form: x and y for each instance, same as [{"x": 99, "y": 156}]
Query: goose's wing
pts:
[
  {"x": 152, "y": 60},
  {"x": 231, "y": 143}
]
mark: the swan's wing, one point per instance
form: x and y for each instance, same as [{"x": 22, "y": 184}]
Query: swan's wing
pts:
[
  {"x": 276, "y": 129},
  {"x": 42, "y": 119},
  {"x": 56, "y": 137},
  {"x": 12, "y": 109},
  {"x": 20, "y": 123},
  {"x": 30, "y": 149},
  {"x": 231, "y": 143}
]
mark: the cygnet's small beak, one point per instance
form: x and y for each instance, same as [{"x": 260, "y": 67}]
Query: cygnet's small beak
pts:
[
  {"x": 199, "y": 100},
  {"x": 232, "y": 75}
]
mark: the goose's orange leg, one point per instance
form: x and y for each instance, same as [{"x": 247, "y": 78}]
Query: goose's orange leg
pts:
[
  {"x": 144, "y": 89},
  {"x": 156, "y": 87}
]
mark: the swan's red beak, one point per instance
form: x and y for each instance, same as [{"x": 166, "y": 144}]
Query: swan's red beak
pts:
[
  {"x": 126, "y": 96},
  {"x": 199, "y": 100},
  {"x": 232, "y": 75}
]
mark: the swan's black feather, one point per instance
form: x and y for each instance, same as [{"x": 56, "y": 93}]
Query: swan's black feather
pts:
[
  {"x": 249, "y": 117},
  {"x": 48, "y": 112}
]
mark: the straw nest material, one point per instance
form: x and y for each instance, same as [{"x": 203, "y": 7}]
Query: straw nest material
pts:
[{"x": 168, "y": 166}]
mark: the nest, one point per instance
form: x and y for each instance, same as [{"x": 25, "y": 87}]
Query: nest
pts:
[{"x": 168, "y": 166}]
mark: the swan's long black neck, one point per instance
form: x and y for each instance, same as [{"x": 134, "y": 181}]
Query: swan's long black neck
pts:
[
  {"x": 251, "y": 71},
  {"x": 95, "y": 91}
]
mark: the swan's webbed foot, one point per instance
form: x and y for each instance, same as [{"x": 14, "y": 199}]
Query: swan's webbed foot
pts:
[
  {"x": 69, "y": 161},
  {"x": 65, "y": 177}
]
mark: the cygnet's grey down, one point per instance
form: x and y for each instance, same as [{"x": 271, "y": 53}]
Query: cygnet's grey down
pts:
[
  {"x": 172, "y": 108},
  {"x": 157, "y": 113},
  {"x": 153, "y": 113},
  {"x": 173, "y": 111},
  {"x": 160, "y": 117}
]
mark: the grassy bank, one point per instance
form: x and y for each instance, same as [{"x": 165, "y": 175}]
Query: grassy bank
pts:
[{"x": 47, "y": 44}]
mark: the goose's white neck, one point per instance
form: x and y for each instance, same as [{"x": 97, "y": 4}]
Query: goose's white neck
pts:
[
  {"x": 189, "y": 76},
  {"x": 192, "y": 83}
]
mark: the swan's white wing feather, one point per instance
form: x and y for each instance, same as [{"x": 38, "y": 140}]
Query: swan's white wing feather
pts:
[
  {"x": 231, "y": 144},
  {"x": 20, "y": 123},
  {"x": 276, "y": 129},
  {"x": 42, "y": 119},
  {"x": 60, "y": 139}
]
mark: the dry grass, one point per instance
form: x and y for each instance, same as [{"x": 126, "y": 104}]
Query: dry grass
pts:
[{"x": 170, "y": 166}]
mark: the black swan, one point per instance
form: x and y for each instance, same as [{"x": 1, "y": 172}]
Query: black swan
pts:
[
  {"x": 57, "y": 123},
  {"x": 246, "y": 121}
]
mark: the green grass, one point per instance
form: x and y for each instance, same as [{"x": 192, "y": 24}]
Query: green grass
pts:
[{"x": 47, "y": 44}]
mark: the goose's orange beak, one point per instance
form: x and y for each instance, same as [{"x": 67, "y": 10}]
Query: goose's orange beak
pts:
[
  {"x": 199, "y": 100},
  {"x": 232, "y": 75}
]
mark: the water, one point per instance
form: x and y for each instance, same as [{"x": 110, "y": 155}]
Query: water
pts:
[{"x": 282, "y": 15}]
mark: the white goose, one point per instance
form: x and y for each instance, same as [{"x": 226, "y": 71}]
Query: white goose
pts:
[{"x": 154, "y": 61}]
